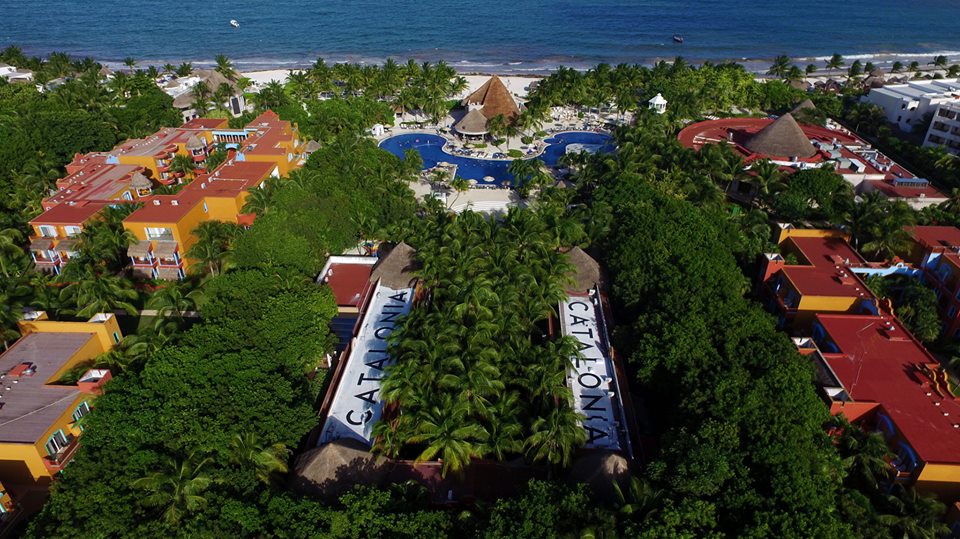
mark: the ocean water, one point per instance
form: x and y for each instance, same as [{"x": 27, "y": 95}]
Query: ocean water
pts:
[{"x": 495, "y": 35}]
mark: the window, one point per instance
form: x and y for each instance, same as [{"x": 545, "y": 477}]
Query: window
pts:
[
  {"x": 205, "y": 209},
  {"x": 116, "y": 337},
  {"x": 48, "y": 231},
  {"x": 56, "y": 443},
  {"x": 126, "y": 195},
  {"x": 72, "y": 231},
  {"x": 951, "y": 312},
  {"x": 158, "y": 233},
  {"x": 81, "y": 411}
]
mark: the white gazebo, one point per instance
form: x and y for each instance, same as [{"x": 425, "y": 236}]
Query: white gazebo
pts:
[{"x": 658, "y": 104}]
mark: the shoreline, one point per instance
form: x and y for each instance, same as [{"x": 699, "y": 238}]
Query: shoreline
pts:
[{"x": 540, "y": 68}]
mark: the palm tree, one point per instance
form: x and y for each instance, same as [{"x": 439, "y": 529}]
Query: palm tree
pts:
[
  {"x": 896, "y": 67},
  {"x": 795, "y": 73},
  {"x": 810, "y": 69},
  {"x": 780, "y": 66},
  {"x": 183, "y": 165},
  {"x": 221, "y": 96},
  {"x": 554, "y": 438},
  {"x": 201, "y": 97},
  {"x": 225, "y": 67},
  {"x": 447, "y": 436},
  {"x": 766, "y": 178},
  {"x": 169, "y": 68},
  {"x": 170, "y": 302},
  {"x": 213, "y": 244},
  {"x": 835, "y": 61},
  {"x": 259, "y": 199},
  {"x": 914, "y": 515},
  {"x": 246, "y": 452},
  {"x": 100, "y": 294},
  {"x": 184, "y": 69},
  {"x": 939, "y": 62},
  {"x": 130, "y": 62},
  {"x": 640, "y": 502},
  {"x": 177, "y": 487},
  {"x": 459, "y": 185}
]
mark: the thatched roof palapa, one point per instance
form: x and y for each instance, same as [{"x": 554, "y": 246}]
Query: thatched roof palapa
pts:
[
  {"x": 334, "y": 468},
  {"x": 473, "y": 123},
  {"x": 139, "y": 181},
  {"x": 194, "y": 143},
  {"x": 396, "y": 269},
  {"x": 587, "y": 270},
  {"x": 806, "y": 104},
  {"x": 141, "y": 249},
  {"x": 783, "y": 137},
  {"x": 494, "y": 98},
  {"x": 601, "y": 470},
  {"x": 311, "y": 146}
]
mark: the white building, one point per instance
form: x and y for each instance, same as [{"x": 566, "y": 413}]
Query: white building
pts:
[
  {"x": 944, "y": 130},
  {"x": 658, "y": 104},
  {"x": 906, "y": 104},
  {"x": 12, "y": 74}
]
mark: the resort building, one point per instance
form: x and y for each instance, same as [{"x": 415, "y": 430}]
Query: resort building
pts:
[
  {"x": 487, "y": 102},
  {"x": 181, "y": 90},
  {"x": 868, "y": 366},
  {"x": 874, "y": 372},
  {"x": 936, "y": 250},
  {"x": 353, "y": 406},
  {"x": 944, "y": 131},
  {"x": 374, "y": 294},
  {"x": 267, "y": 147},
  {"x": 595, "y": 375},
  {"x": 14, "y": 75},
  {"x": 905, "y": 105},
  {"x": 42, "y": 407},
  {"x": 813, "y": 272},
  {"x": 796, "y": 146}
]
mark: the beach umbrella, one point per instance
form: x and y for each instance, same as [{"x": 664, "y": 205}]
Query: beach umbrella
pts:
[{"x": 489, "y": 179}]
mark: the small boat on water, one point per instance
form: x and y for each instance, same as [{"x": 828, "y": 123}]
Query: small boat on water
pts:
[
  {"x": 677, "y": 38},
  {"x": 234, "y": 23}
]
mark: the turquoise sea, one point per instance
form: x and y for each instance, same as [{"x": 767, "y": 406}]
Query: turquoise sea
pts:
[{"x": 495, "y": 35}]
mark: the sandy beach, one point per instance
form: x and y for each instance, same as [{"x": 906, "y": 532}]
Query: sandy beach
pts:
[{"x": 517, "y": 84}]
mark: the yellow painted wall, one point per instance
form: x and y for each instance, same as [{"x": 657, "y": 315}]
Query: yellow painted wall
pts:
[
  {"x": 31, "y": 455},
  {"x": 145, "y": 161},
  {"x": 828, "y": 304},
  {"x": 103, "y": 330},
  {"x": 810, "y": 233}
]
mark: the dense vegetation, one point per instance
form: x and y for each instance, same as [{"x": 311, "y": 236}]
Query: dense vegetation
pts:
[
  {"x": 195, "y": 433},
  {"x": 474, "y": 376}
]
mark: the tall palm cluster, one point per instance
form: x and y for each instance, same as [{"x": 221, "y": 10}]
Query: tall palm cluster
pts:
[
  {"x": 476, "y": 376},
  {"x": 690, "y": 90},
  {"x": 422, "y": 87}
]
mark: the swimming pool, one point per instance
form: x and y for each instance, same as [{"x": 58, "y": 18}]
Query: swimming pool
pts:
[{"x": 430, "y": 148}]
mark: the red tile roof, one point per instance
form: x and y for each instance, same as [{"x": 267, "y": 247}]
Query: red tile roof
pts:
[
  {"x": 826, "y": 252},
  {"x": 824, "y": 268},
  {"x": 935, "y": 238},
  {"x": 69, "y": 214},
  {"x": 348, "y": 282},
  {"x": 877, "y": 364},
  {"x": 888, "y": 188},
  {"x": 206, "y": 123}
]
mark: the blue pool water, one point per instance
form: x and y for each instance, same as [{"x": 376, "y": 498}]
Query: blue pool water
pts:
[{"x": 430, "y": 148}]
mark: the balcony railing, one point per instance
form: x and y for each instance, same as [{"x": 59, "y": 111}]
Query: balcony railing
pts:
[{"x": 59, "y": 460}]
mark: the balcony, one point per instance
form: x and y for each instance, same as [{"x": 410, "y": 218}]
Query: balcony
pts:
[{"x": 58, "y": 461}]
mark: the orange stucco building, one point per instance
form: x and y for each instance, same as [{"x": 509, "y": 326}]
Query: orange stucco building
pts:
[
  {"x": 42, "y": 414},
  {"x": 266, "y": 147}
]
